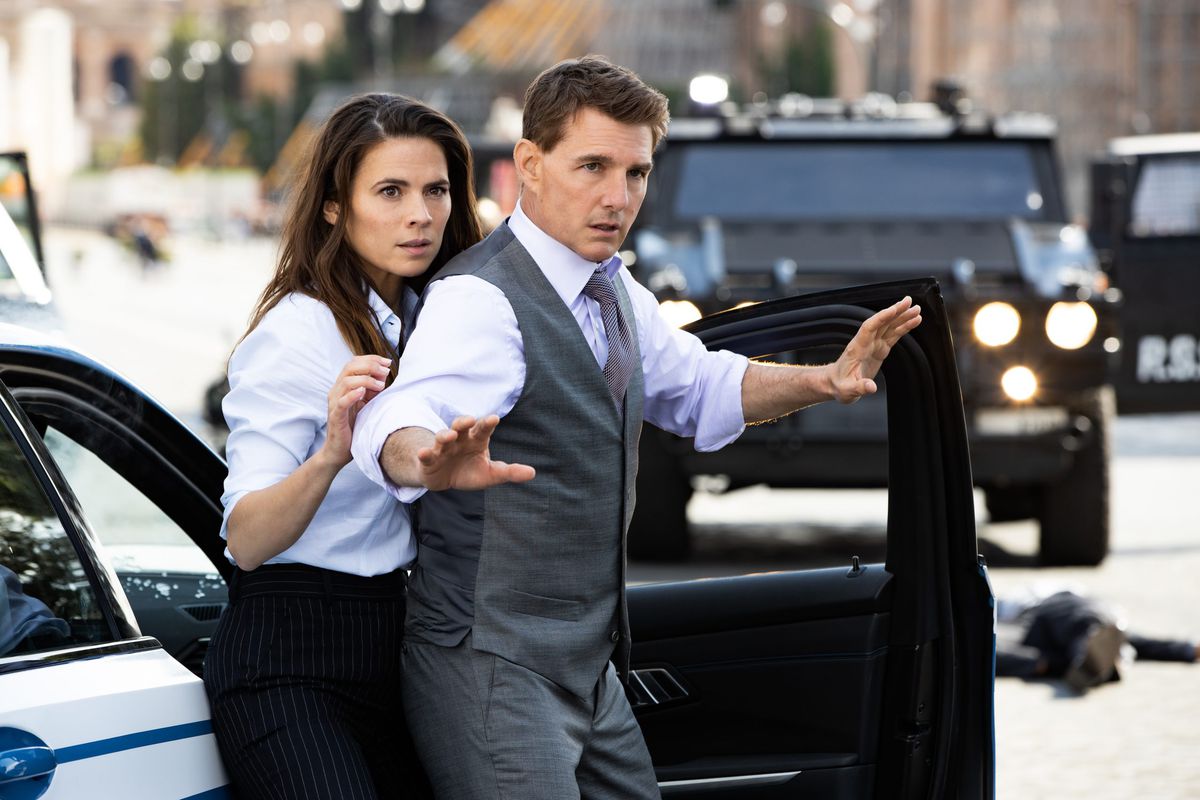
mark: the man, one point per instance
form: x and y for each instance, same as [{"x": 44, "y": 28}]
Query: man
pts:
[
  {"x": 1047, "y": 631},
  {"x": 517, "y": 603}
]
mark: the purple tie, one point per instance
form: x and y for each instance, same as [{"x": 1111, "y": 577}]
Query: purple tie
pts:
[{"x": 618, "y": 369}]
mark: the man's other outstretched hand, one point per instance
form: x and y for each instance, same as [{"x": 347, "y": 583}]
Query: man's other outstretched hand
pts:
[
  {"x": 459, "y": 458},
  {"x": 853, "y": 374}
]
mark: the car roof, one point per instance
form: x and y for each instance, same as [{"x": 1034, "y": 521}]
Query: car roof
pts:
[
  {"x": 1154, "y": 144},
  {"x": 18, "y": 339}
]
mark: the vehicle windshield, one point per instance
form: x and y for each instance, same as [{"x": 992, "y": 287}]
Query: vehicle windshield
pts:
[{"x": 859, "y": 181}]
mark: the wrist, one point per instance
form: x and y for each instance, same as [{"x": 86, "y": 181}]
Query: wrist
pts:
[
  {"x": 827, "y": 382},
  {"x": 328, "y": 461}
]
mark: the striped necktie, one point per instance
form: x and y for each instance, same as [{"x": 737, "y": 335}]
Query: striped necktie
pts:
[{"x": 618, "y": 369}]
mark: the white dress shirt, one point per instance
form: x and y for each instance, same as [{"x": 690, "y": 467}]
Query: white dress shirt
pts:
[
  {"x": 277, "y": 409},
  {"x": 466, "y": 357}
]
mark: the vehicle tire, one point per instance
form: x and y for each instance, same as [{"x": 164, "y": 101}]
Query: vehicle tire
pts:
[
  {"x": 1074, "y": 513},
  {"x": 659, "y": 530},
  {"x": 1010, "y": 503}
]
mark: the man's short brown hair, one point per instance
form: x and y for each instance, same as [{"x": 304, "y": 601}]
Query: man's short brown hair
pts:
[{"x": 559, "y": 93}]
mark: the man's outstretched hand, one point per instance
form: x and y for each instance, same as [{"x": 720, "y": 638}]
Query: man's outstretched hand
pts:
[
  {"x": 459, "y": 458},
  {"x": 854, "y": 372}
]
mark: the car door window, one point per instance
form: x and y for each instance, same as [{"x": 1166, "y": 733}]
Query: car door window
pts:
[
  {"x": 175, "y": 592},
  {"x": 46, "y": 598},
  {"x": 136, "y": 534}
]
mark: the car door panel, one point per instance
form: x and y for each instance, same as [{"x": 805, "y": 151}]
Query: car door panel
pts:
[
  {"x": 812, "y": 643},
  {"x": 105, "y": 712},
  {"x": 132, "y": 724},
  {"x": 863, "y": 683}
]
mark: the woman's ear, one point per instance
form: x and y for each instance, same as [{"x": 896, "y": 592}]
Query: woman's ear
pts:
[{"x": 330, "y": 211}]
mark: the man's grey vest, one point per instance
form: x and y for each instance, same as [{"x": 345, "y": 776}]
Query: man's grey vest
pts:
[{"x": 536, "y": 571}]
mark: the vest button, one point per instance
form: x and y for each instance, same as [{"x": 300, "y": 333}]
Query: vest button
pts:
[{"x": 616, "y": 636}]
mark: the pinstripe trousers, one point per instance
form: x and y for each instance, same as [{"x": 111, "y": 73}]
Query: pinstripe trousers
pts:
[{"x": 303, "y": 676}]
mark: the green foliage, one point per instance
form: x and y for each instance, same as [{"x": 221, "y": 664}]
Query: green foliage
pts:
[
  {"x": 807, "y": 65},
  {"x": 175, "y": 109}
]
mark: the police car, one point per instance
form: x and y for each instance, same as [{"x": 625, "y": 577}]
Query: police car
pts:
[
  {"x": 867, "y": 680},
  {"x": 781, "y": 198}
]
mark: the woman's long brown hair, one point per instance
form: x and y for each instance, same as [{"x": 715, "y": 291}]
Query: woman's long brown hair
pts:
[{"x": 315, "y": 257}]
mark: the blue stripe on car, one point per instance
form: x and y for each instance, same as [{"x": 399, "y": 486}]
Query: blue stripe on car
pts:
[{"x": 134, "y": 740}]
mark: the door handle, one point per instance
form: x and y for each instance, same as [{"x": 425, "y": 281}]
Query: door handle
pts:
[
  {"x": 27, "y": 765},
  {"x": 22, "y": 763}
]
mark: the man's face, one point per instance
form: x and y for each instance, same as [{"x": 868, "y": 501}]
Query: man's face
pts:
[{"x": 587, "y": 190}]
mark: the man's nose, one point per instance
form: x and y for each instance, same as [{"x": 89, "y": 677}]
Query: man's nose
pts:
[{"x": 616, "y": 193}]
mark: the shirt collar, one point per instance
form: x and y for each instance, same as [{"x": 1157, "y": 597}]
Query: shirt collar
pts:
[
  {"x": 567, "y": 271},
  {"x": 383, "y": 312}
]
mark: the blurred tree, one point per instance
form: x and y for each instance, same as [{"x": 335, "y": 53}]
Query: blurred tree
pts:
[
  {"x": 806, "y": 65},
  {"x": 178, "y": 106},
  {"x": 176, "y": 109}
]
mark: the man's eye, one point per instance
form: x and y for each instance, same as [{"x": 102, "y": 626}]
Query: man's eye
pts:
[
  {"x": 637, "y": 173},
  {"x": 592, "y": 167}
]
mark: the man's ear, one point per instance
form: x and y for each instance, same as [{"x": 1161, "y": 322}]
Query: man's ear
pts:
[
  {"x": 528, "y": 158},
  {"x": 330, "y": 211}
]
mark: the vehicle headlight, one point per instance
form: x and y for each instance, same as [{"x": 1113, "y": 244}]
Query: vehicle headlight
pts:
[
  {"x": 679, "y": 312},
  {"x": 1019, "y": 383},
  {"x": 997, "y": 324},
  {"x": 1071, "y": 325}
]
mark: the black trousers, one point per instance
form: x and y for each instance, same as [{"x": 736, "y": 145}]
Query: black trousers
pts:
[{"x": 303, "y": 676}]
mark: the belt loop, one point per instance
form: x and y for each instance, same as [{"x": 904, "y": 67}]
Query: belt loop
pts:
[{"x": 327, "y": 582}]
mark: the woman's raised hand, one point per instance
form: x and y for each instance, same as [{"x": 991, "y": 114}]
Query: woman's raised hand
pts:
[{"x": 360, "y": 380}]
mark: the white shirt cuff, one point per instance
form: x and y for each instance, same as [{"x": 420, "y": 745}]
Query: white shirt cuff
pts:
[
  {"x": 724, "y": 419},
  {"x": 375, "y": 425}
]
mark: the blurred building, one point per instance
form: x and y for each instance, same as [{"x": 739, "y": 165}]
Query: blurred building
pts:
[{"x": 1103, "y": 68}]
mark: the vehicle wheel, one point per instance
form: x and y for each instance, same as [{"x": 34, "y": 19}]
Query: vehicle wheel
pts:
[
  {"x": 659, "y": 530},
  {"x": 1074, "y": 512},
  {"x": 1009, "y": 503}
]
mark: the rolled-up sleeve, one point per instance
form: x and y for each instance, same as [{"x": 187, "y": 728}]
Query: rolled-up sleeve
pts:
[
  {"x": 464, "y": 358},
  {"x": 690, "y": 391},
  {"x": 277, "y": 403}
]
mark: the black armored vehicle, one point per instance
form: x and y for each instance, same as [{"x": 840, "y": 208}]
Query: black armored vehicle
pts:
[
  {"x": 1145, "y": 225},
  {"x": 801, "y": 195}
]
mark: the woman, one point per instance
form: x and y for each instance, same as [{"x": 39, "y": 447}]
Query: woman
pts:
[{"x": 303, "y": 670}]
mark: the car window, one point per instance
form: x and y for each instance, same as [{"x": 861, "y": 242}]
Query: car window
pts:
[
  {"x": 142, "y": 542},
  {"x": 46, "y": 598},
  {"x": 860, "y": 181},
  {"x": 15, "y": 198},
  {"x": 137, "y": 536},
  {"x": 1166, "y": 201}
]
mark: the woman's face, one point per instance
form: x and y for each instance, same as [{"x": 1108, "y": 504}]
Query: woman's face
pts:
[{"x": 399, "y": 205}]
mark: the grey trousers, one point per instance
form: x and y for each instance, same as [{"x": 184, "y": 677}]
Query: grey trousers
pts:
[{"x": 488, "y": 729}]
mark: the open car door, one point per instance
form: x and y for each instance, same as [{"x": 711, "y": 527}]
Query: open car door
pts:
[
  {"x": 18, "y": 199},
  {"x": 856, "y": 682}
]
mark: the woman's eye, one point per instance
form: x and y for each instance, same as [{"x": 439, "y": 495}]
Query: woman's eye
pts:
[
  {"x": 437, "y": 191},
  {"x": 390, "y": 191}
]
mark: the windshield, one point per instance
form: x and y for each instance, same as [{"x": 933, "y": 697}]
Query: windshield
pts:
[{"x": 860, "y": 181}]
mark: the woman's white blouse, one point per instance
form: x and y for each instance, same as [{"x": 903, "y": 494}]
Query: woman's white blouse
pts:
[{"x": 277, "y": 408}]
